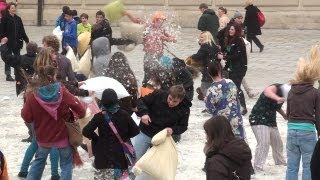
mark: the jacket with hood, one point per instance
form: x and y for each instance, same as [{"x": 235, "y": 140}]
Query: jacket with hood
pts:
[
  {"x": 162, "y": 116},
  {"x": 61, "y": 22},
  {"x": 234, "y": 156},
  {"x": 303, "y": 105},
  {"x": 101, "y": 54},
  {"x": 70, "y": 35},
  {"x": 49, "y": 107},
  {"x": 64, "y": 69},
  {"x": 209, "y": 21}
]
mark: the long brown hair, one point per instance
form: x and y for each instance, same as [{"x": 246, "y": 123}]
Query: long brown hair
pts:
[
  {"x": 232, "y": 39},
  {"x": 43, "y": 58},
  {"x": 218, "y": 131}
]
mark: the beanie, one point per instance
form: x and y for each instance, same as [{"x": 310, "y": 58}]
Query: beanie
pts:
[{"x": 237, "y": 14}]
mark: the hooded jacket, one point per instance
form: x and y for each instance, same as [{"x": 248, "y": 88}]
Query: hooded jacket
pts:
[
  {"x": 101, "y": 54},
  {"x": 49, "y": 108},
  {"x": 162, "y": 116},
  {"x": 234, "y": 156},
  {"x": 70, "y": 35},
  {"x": 303, "y": 104},
  {"x": 209, "y": 21}
]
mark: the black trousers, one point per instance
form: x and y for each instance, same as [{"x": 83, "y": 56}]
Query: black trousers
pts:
[
  {"x": 254, "y": 38},
  {"x": 237, "y": 77}
]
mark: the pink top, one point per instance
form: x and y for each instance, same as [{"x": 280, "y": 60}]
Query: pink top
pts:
[{"x": 153, "y": 40}]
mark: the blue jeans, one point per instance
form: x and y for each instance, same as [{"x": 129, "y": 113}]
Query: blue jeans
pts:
[
  {"x": 142, "y": 143},
  {"x": 31, "y": 150},
  {"x": 37, "y": 166},
  {"x": 299, "y": 143}
]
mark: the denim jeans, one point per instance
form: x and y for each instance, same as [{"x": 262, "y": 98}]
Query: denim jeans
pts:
[
  {"x": 37, "y": 166},
  {"x": 142, "y": 143},
  {"x": 299, "y": 143},
  {"x": 32, "y": 149}
]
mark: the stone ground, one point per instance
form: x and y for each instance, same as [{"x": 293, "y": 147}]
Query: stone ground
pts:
[{"x": 276, "y": 64}]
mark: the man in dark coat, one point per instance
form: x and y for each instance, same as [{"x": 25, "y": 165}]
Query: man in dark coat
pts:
[
  {"x": 253, "y": 27},
  {"x": 208, "y": 21},
  {"x": 161, "y": 110}
]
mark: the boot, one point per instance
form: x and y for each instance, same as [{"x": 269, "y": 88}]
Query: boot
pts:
[{"x": 9, "y": 78}]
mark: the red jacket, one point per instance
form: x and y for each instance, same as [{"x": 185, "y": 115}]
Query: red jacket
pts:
[{"x": 48, "y": 130}]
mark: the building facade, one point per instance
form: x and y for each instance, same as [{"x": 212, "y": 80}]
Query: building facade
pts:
[{"x": 284, "y": 14}]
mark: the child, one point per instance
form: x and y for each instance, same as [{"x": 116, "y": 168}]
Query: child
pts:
[
  {"x": 75, "y": 16},
  {"x": 3, "y": 168},
  {"x": 110, "y": 161},
  {"x": 70, "y": 37},
  {"x": 84, "y": 26}
]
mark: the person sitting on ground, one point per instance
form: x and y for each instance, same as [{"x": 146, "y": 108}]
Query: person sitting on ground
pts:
[
  {"x": 161, "y": 110},
  {"x": 227, "y": 157},
  {"x": 84, "y": 26}
]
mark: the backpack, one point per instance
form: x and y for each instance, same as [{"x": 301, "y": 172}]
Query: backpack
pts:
[{"x": 261, "y": 18}]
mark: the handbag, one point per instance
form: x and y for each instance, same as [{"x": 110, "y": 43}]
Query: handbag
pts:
[
  {"x": 74, "y": 132},
  {"x": 127, "y": 147},
  {"x": 261, "y": 18}
]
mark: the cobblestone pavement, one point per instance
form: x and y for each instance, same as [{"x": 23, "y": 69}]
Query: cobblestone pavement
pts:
[{"x": 275, "y": 64}]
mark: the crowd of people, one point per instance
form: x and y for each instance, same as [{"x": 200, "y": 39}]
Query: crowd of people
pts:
[{"x": 51, "y": 92}]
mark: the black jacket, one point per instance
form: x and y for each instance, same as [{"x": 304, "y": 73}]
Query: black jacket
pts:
[
  {"x": 24, "y": 70},
  {"x": 162, "y": 116},
  {"x": 183, "y": 76},
  {"x": 251, "y": 20},
  {"x": 236, "y": 56},
  {"x": 206, "y": 54},
  {"x": 209, "y": 21},
  {"x": 106, "y": 147},
  {"x": 12, "y": 28},
  {"x": 234, "y": 156}
]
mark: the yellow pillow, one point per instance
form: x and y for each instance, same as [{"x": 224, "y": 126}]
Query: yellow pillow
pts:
[
  {"x": 160, "y": 161},
  {"x": 83, "y": 42},
  {"x": 114, "y": 10}
]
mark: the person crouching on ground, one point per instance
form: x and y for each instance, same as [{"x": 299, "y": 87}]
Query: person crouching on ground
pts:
[
  {"x": 49, "y": 105},
  {"x": 110, "y": 161}
]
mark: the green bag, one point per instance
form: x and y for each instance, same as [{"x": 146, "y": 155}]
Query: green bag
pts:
[{"x": 114, "y": 10}]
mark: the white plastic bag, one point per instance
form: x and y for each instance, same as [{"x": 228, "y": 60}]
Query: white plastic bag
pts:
[
  {"x": 99, "y": 84},
  {"x": 57, "y": 32},
  {"x": 161, "y": 160}
]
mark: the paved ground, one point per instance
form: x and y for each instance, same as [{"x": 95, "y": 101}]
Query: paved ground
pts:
[{"x": 275, "y": 64}]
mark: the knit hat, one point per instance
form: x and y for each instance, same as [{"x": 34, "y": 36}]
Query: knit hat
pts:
[
  {"x": 237, "y": 14},
  {"x": 109, "y": 97}
]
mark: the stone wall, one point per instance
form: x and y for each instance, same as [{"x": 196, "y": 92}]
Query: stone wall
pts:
[{"x": 291, "y": 14}]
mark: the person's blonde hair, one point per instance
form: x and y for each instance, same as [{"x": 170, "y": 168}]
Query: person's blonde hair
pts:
[
  {"x": 308, "y": 70},
  {"x": 248, "y": 2},
  {"x": 208, "y": 37},
  {"x": 43, "y": 58}
]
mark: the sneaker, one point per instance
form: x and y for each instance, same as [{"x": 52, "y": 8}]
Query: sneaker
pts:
[
  {"x": 9, "y": 78},
  {"x": 29, "y": 139},
  {"x": 23, "y": 174},
  {"x": 56, "y": 177}
]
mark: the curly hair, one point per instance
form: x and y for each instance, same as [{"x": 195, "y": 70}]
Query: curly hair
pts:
[{"x": 52, "y": 41}]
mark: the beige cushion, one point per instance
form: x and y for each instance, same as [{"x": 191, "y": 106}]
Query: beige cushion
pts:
[
  {"x": 161, "y": 160},
  {"x": 83, "y": 42},
  {"x": 132, "y": 31}
]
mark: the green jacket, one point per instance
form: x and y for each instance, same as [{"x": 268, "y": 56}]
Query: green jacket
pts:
[
  {"x": 83, "y": 28},
  {"x": 209, "y": 21}
]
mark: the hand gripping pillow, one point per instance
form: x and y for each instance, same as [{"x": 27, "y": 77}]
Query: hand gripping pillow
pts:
[{"x": 161, "y": 160}]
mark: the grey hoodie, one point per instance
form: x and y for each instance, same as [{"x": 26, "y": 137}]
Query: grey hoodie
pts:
[{"x": 101, "y": 54}]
